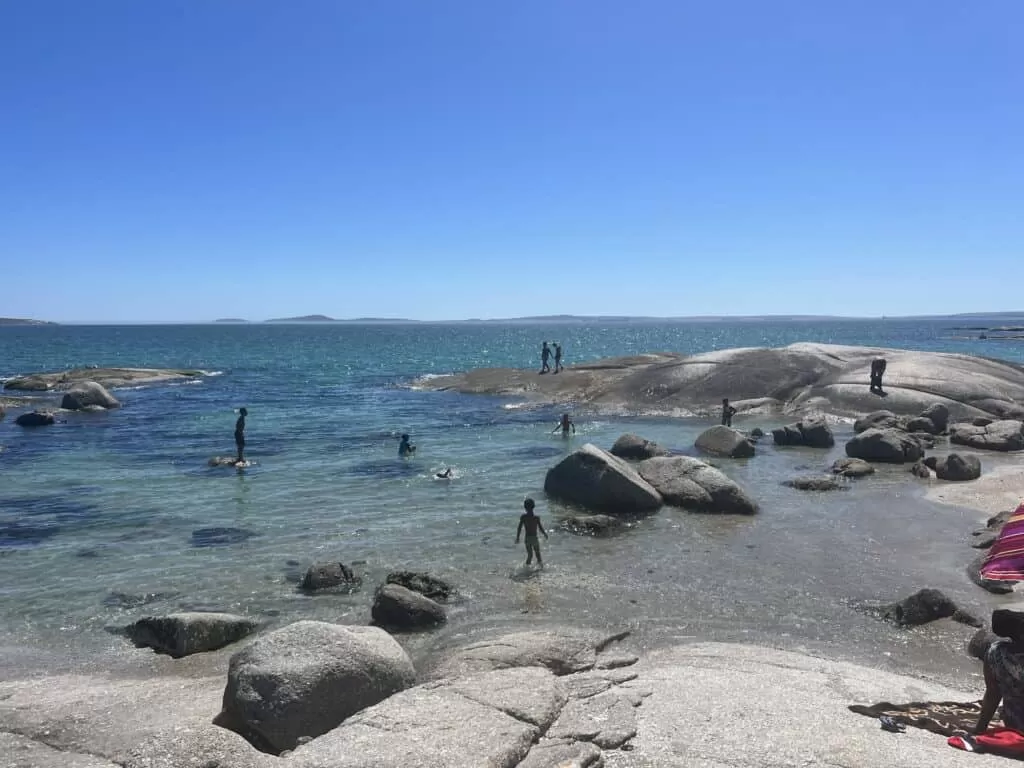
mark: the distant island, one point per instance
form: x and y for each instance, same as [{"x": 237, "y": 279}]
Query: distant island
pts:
[
  {"x": 230, "y": 320},
  {"x": 353, "y": 320},
  {"x": 23, "y": 321},
  {"x": 303, "y": 319}
]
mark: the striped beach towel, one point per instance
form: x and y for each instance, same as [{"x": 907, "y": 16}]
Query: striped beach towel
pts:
[{"x": 1005, "y": 561}]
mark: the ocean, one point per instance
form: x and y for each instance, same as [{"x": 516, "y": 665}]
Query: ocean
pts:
[{"x": 107, "y": 517}]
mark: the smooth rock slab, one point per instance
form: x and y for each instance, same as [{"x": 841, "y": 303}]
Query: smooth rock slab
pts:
[
  {"x": 687, "y": 482},
  {"x": 531, "y": 694},
  {"x": 726, "y": 442},
  {"x": 852, "y": 468},
  {"x": 562, "y": 753},
  {"x": 22, "y": 752},
  {"x": 307, "y": 678},
  {"x": 601, "y": 482},
  {"x": 430, "y": 725},
  {"x": 182, "y": 634},
  {"x": 396, "y": 607},
  {"x": 607, "y": 720}
]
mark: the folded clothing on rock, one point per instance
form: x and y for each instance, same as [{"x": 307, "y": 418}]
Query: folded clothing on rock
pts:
[{"x": 1004, "y": 742}]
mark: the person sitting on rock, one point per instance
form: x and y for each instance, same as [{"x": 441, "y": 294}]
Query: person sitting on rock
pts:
[
  {"x": 565, "y": 424},
  {"x": 727, "y": 412},
  {"x": 532, "y": 524},
  {"x": 1004, "y": 672},
  {"x": 558, "y": 358},
  {"x": 240, "y": 434},
  {"x": 404, "y": 449},
  {"x": 545, "y": 356}
]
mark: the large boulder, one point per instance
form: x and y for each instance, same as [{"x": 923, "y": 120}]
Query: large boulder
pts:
[
  {"x": 938, "y": 414},
  {"x": 725, "y": 441},
  {"x": 424, "y": 583},
  {"x": 852, "y": 468},
  {"x": 86, "y": 394},
  {"x": 599, "y": 481},
  {"x": 1007, "y": 435},
  {"x": 925, "y": 606},
  {"x": 686, "y": 482},
  {"x": 333, "y": 576},
  {"x": 878, "y": 420},
  {"x": 35, "y": 419},
  {"x": 814, "y": 433},
  {"x": 890, "y": 446},
  {"x": 306, "y": 678},
  {"x": 396, "y": 607},
  {"x": 635, "y": 447},
  {"x": 955, "y": 466},
  {"x": 182, "y": 634}
]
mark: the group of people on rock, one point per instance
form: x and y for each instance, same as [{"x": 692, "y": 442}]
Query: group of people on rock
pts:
[{"x": 545, "y": 357}]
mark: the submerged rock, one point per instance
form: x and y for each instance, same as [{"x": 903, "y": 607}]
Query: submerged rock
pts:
[
  {"x": 921, "y": 469},
  {"x": 306, "y": 678},
  {"x": 925, "y": 606},
  {"x": 852, "y": 468},
  {"x": 692, "y": 484},
  {"x": 635, "y": 447},
  {"x": 396, "y": 607},
  {"x": 219, "y": 536},
  {"x": 884, "y": 445},
  {"x": 182, "y": 634},
  {"x": 336, "y": 576},
  {"x": 816, "y": 483},
  {"x": 424, "y": 583},
  {"x": 599, "y": 481},
  {"x": 592, "y": 524},
  {"x": 814, "y": 433},
  {"x": 35, "y": 419},
  {"x": 88, "y": 394},
  {"x": 1005, "y": 435},
  {"x": 726, "y": 442}
]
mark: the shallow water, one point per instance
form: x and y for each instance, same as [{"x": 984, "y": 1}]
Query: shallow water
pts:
[{"x": 112, "y": 516}]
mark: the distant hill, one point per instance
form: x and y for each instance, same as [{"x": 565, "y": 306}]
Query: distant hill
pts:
[
  {"x": 231, "y": 320},
  {"x": 303, "y": 319},
  {"x": 23, "y": 321}
]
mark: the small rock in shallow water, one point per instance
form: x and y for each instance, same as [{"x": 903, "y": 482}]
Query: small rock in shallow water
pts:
[
  {"x": 815, "y": 484},
  {"x": 424, "y": 583},
  {"x": 182, "y": 634},
  {"x": 127, "y": 600},
  {"x": 335, "y": 576},
  {"x": 396, "y": 607},
  {"x": 852, "y": 468},
  {"x": 925, "y": 606}
]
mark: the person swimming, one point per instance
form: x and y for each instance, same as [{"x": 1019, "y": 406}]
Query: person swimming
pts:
[
  {"x": 565, "y": 424},
  {"x": 404, "y": 449},
  {"x": 446, "y": 475}
]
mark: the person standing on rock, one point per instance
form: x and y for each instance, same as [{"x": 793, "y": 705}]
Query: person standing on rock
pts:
[
  {"x": 565, "y": 424},
  {"x": 240, "y": 435},
  {"x": 545, "y": 356},
  {"x": 558, "y": 357},
  {"x": 727, "y": 412},
  {"x": 531, "y": 523},
  {"x": 877, "y": 371}
]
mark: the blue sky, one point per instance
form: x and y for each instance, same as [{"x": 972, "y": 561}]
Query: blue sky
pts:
[{"x": 214, "y": 158}]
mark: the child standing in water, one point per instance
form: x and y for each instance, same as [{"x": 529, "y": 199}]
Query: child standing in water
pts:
[
  {"x": 565, "y": 425},
  {"x": 531, "y": 523}
]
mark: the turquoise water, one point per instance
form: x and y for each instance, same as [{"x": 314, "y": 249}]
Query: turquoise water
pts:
[{"x": 117, "y": 503}]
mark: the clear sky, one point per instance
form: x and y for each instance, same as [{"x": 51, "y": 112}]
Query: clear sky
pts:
[{"x": 433, "y": 159}]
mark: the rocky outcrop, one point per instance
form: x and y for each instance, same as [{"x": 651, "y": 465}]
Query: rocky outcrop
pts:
[
  {"x": 813, "y": 433},
  {"x": 726, "y": 442},
  {"x": 852, "y": 468},
  {"x": 890, "y": 446},
  {"x": 424, "y": 583},
  {"x": 686, "y": 482},
  {"x": 926, "y": 606},
  {"x": 88, "y": 394},
  {"x": 878, "y": 420},
  {"x": 1007, "y": 435},
  {"x": 182, "y": 634},
  {"x": 601, "y": 482},
  {"x": 396, "y": 607},
  {"x": 957, "y": 467},
  {"x": 35, "y": 419},
  {"x": 63, "y": 381},
  {"x": 815, "y": 483},
  {"x": 635, "y": 447},
  {"x": 938, "y": 415},
  {"x": 333, "y": 576},
  {"x": 306, "y": 678},
  {"x": 797, "y": 379}
]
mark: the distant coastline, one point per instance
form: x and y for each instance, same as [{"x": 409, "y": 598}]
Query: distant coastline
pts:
[
  {"x": 23, "y": 321},
  {"x": 230, "y": 320}
]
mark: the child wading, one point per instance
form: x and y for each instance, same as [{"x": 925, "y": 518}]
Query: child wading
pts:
[{"x": 532, "y": 524}]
